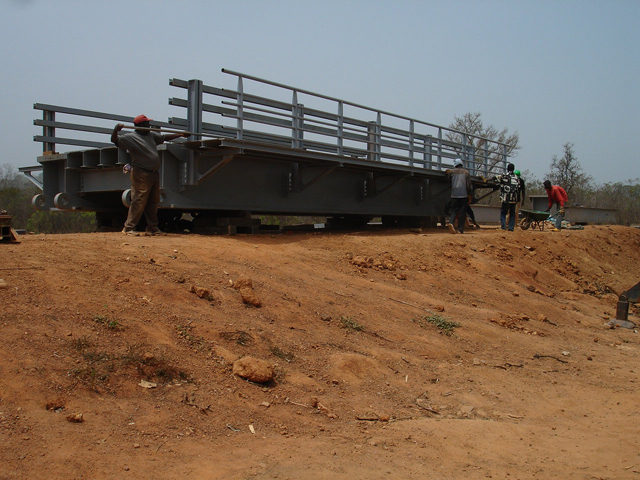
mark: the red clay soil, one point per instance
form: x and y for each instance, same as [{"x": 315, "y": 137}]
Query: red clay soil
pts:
[{"x": 397, "y": 355}]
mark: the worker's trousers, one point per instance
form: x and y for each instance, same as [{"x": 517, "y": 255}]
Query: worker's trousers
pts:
[
  {"x": 145, "y": 198},
  {"x": 559, "y": 216},
  {"x": 508, "y": 208},
  {"x": 459, "y": 209}
]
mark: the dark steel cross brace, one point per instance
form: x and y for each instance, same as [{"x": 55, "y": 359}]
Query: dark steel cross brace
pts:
[
  {"x": 372, "y": 180},
  {"x": 214, "y": 169},
  {"x": 297, "y": 185}
]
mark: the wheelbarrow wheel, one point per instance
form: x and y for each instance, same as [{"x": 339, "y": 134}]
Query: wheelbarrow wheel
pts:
[{"x": 525, "y": 223}]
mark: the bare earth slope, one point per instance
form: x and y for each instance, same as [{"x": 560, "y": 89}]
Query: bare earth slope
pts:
[{"x": 531, "y": 384}]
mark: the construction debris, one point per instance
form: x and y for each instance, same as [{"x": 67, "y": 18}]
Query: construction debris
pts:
[{"x": 7, "y": 234}]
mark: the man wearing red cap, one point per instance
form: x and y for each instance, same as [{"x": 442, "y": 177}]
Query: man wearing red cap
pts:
[
  {"x": 145, "y": 179},
  {"x": 556, "y": 194}
]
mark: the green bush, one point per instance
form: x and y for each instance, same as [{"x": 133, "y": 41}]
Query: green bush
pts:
[
  {"x": 62, "y": 222},
  {"x": 442, "y": 323}
]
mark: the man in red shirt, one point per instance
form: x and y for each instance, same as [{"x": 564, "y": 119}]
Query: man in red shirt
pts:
[{"x": 557, "y": 195}]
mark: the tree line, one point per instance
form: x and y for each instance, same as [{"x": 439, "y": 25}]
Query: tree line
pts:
[
  {"x": 564, "y": 170},
  {"x": 16, "y": 193}
]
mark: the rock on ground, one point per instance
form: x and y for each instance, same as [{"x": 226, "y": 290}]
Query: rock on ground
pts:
[{"x": 253, "y": 369}]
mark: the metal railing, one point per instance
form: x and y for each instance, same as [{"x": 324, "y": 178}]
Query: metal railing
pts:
[
  {"x": 50, "y": 126},
  {"x": 363, "y": 132},
  {"x": 297, "y": 119}
]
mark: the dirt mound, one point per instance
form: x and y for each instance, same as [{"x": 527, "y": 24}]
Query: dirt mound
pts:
[{"x": 394, "y": 354}]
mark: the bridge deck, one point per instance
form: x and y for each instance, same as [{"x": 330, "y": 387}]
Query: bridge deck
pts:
[{"x": 311, "y": 154}]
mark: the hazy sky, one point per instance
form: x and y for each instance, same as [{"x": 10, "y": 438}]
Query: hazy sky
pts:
[{"x": 555, "y": 71}]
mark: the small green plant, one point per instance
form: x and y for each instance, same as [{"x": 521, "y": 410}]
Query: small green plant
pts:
[
  {"x": 184, "y": 331},
  {"x": 80, "y": 343},
  {"x": 350, "y": 324},
  {"x": 133, "y": 356},
  {"x": 110, "y": 324},
  {"x": 240, "y": 336},
  {"x": 445, "y": 325},
  {"x": 96, "y": 357},
  {"x": 90, "y": 376},
  {"x": 278, "y": 352},
  {"x": 196, "y": 341}
]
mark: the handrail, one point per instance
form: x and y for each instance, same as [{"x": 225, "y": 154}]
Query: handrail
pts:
[
  {"x": 356, "y": 105},
  {"x": 49, "y": 124},
  {"x": 380, "y": 138}
]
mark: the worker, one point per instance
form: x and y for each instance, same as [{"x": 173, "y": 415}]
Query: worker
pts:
[
  {"x": 558, "y": 196},
  {"x": 460, "y": 191},
  {"x": 509, "y": 190},
  {"x": 521, "y": 194},
  {"x": 143, "y": 171}
]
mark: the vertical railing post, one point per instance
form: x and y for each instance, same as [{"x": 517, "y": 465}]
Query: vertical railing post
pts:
[
  {"x": 464, "y": 153},
  {"x": 240, "y": 101},
  {"x": 373, "y": 142},
  {"x": 378, "y": 137},
  {"x": 300, "y": 118},
  {"x": 194, "y": 124},
  {"x": 440, "y": 148},
  {"x": 504, "y": 158},
  {"x": 294, "y": 120},
  {"x": 48, "y": 115},
  {"x": 411, "y": 141},
  {"x": 486, "y": 159},
  {"x": 194, "y": 108},
  {"x": 471, "y": 152},
  {"x": 340, "y": 128},
  {"x": 428, "y": 157},
  {"x": 373, "y": 139},
  {"x": 297, "y": 118}
]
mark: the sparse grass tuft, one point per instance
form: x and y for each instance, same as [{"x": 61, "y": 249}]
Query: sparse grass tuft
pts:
[
  {"x": 102, "y": 371},
  {"x": 350, "y": 324},
  {"x": 110, "y": 324},
  {"x": 278, "y": 352},
  {"x": 80, "y": 343},
  {"x": 96, "y": 357},
  {"x": 445, "y": 325},
  {"x": 196, "y": 341},
  {"x": 243, "y": 338},
  {"x": 240, "y": 336}
]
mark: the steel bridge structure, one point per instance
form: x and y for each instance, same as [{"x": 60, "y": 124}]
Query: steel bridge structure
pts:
[{"x": 262, "y": 147}]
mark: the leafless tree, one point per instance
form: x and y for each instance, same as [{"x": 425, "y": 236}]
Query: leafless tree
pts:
[
  {"x": 474, "y": 134},
  {"x": 567, "y": 172}
]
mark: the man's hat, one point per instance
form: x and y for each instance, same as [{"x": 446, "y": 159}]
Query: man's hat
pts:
[
  {"x": 141, "y": 119},
  {"x": 457, "y": 162}
]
